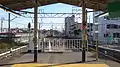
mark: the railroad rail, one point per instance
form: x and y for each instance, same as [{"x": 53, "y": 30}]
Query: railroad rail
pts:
[{"x": 107, "y": 52}]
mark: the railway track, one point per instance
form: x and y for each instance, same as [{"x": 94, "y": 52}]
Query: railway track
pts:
[{"x": 113, "y": 54}]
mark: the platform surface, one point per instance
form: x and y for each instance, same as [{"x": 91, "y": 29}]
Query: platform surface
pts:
[{"x": 59, "y": 58}]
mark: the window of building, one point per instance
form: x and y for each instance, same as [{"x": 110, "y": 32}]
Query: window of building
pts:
[
  {"x": 109, "y": 18},
  {"x": 115, "y": 26},
  {"x": 105, "y": 35},
  {"x": 106, "y": 18},
  {"x": 112, "y": 26},
  {"x": 116, "y": 35},
  {"x": 90, "y": 25},
  {"x": 118, "y": 26},
  {"x": 108, "y": 26}
]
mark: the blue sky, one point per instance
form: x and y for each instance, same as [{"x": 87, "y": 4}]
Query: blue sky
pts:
[{"x": 22, "y": 22}]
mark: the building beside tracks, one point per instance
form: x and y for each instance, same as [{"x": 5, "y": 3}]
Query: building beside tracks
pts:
[
  {"x": 68, "y": 22},
  {"x": 106, "y": 29},
  {"x": 74, "y": 29}
]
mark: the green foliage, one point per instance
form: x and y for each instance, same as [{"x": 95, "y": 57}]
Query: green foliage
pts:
[
  {"x": 77, "y": 32},
  {"x": 7, "y": 44}
]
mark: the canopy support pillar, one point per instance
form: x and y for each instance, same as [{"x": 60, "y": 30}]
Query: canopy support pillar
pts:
[
  {"x": 84, "y": 42},
  {"x": 35, "y": 30}
]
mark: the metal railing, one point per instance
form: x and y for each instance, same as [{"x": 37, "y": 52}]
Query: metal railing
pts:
[{"x": 60, "y": 45}]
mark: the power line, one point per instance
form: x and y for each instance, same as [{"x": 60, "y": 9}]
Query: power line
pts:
[{"x": 55, "y": 15}]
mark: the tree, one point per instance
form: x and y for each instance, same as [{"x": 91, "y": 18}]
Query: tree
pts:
[{"x": 77, "y": 32}]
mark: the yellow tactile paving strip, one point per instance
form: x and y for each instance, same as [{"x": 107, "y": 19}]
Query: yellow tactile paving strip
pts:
[{"x": 65, "y": 65}]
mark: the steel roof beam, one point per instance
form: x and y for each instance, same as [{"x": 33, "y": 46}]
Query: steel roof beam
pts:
[{"x": 7, "y": 9}]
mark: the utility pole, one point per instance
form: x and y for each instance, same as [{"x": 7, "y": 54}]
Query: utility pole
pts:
[
  {"x": 40, "y": 11},
  {"x": 52, "y": 30},
  {"x": 39, "y": 32},
  {"x": 9, "y": 26},
  {"x": 2, "y": 24},
  {"x": 9, "y": 22}
]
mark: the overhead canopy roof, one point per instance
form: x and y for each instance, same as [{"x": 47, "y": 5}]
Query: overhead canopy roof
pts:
[{"x": 24, "y": 4}]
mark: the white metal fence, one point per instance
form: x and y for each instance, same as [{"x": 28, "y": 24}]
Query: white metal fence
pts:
[{"x": 58, "y": 45}]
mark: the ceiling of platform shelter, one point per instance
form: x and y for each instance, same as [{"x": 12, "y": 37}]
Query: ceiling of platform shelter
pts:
[{"x": 25, "y": 4}]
